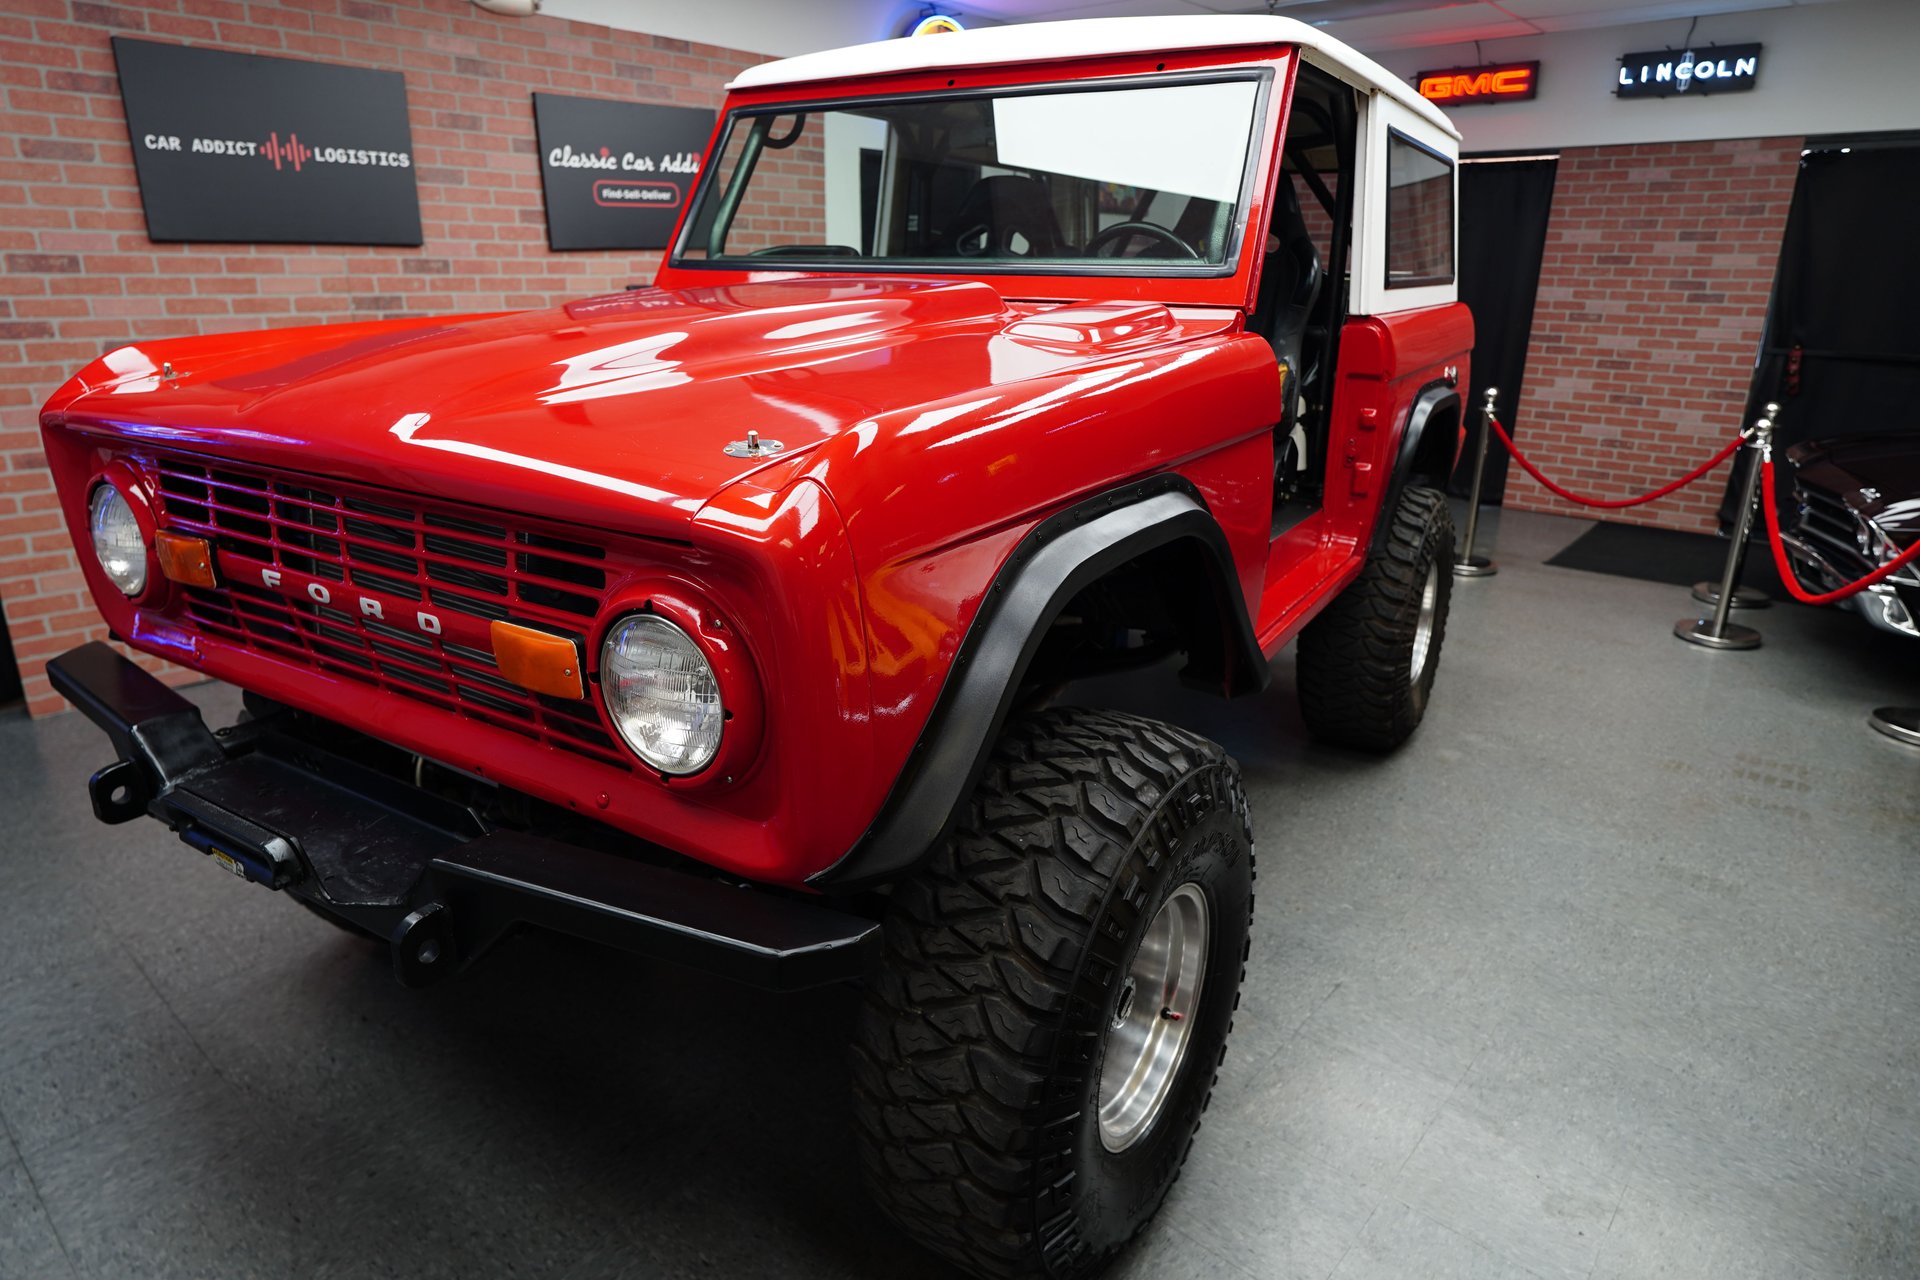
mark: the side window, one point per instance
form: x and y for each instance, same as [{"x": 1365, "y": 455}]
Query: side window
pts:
[
  {"x": 786, "y": 155},
  {"x": 1419, "y": 214}
]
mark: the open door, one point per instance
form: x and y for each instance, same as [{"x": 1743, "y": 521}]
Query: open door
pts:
[{"x": 1300, "y": 300}]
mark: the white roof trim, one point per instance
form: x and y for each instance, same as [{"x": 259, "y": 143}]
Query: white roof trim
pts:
[{"x": 1083, "y": 38}]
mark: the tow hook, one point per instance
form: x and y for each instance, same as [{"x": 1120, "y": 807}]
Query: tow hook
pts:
[{"x": 423, "y": 947}]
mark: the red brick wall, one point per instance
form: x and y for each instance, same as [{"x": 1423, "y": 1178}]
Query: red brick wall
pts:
[
  {"x": 1420, "y": 230},
  {"x": 1653, "y": 292},
  {"x": 80, "y": 275},
  {"x": 1319, "y": 222}
]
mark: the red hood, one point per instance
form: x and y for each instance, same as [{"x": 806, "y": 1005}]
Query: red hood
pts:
[{"x": 614, "y": 409}]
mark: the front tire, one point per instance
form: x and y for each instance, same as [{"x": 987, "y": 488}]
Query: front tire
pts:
[
  {"x": 1366, "y": 664},
  {"x": 1035, "y": 1053}
]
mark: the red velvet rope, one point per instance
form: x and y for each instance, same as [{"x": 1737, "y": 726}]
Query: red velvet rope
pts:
[
  {"x": 1785, "y": 566},
  {"x": 1767, "y": 503},
  {"x": 1731, "y": 448}
]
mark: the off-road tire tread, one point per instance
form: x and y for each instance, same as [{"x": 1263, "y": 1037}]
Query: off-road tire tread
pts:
[
  {"x": 1353, "y": 658},
  {"x": 960, "y": 1039}
]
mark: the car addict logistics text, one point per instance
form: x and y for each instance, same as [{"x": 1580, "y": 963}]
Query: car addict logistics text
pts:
[{"x": 266, "y": 149}]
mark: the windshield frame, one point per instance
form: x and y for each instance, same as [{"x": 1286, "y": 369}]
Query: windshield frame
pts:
[{"x": 1262, "y": 75}]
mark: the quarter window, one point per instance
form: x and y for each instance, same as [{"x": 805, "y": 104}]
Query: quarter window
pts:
[{"x": 1419, "y": 214}]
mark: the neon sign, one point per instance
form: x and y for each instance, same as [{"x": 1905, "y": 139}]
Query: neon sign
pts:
[
  {"x": 1469, "y": 86},
  {"x": 1727, "y": 68}
]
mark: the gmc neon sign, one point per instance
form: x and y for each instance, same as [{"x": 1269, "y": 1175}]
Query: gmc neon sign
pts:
[{"x": 1466, "y": 86}]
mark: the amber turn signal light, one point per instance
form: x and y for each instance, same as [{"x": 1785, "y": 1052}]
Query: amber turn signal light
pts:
[
  {"x": 538, "y": 660},
  {"x": 184, "y": 559}
]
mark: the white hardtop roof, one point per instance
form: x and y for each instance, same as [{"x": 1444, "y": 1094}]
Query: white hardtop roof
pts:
[{"x": 1083, "y": 38}]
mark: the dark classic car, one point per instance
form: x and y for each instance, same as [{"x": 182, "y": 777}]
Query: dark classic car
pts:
[{"x": 1859, "y": 506}]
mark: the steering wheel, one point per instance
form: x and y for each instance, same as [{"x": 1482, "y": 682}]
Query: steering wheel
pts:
[{"x": 1151, "y": 230}]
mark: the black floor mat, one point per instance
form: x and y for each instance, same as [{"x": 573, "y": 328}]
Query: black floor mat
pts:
[{"x": 1663, "y": 555}]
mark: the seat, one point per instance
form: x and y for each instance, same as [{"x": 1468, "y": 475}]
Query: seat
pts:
[
  {"x": 1006, "y": 215},
  {"x": 1290, "y": 282}
]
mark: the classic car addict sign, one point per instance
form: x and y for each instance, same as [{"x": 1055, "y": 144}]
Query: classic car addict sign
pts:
[
  {"x": 1727, "y": 68},
  {"x": 616, "y": 173},
  {"x": 241, "y": 147}
]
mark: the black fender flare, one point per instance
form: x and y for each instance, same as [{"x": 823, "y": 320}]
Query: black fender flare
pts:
[
  {"x": 1051, "y": 565},
  {"x": 1433, "y": 400}
]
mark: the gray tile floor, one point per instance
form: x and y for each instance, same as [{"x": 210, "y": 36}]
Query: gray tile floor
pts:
[{"x": 1611, "y": 973}]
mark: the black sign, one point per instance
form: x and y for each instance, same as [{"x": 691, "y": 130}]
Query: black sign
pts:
[
  {"x": 236, "y": 146},
  {"x": 616, "y": 173},
  {"x": 1726, "y": 68}
]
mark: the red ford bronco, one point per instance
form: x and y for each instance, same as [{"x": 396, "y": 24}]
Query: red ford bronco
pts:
[{"x": 723, "y": 620}]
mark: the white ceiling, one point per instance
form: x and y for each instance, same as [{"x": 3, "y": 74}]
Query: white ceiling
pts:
[{"x": 1376, "y": 25}]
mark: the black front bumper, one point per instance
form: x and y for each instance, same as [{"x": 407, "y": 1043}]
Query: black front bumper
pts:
[{"x": 420, "y": 870}]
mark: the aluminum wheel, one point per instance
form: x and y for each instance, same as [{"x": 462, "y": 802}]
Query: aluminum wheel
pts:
[
  {"x": 1153, "y": 1021},
  {"x": 1423, "y": 627}
]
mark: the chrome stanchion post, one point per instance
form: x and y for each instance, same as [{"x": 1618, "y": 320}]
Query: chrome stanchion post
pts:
[
  {"x": 1467, "y": 564},
  {"x": 1902, "y": 724},
  {"x": 1717, "y": 632},
  {"x": 1743, "y": 597}
]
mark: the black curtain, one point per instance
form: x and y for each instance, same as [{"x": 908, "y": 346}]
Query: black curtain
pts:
[
  {"x": 1503, "y": 233},
  {"x": 9, "y": 673},
  {"x": 1841, "y": 352}
]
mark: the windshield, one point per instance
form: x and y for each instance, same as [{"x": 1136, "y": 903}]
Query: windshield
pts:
[{"x": 1063, "y": 181}]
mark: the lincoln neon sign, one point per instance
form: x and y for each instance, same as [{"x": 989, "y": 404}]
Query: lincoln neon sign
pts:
[
  {"x": 1465, "y": 86},
  {"x": 1728, "y": 68}
]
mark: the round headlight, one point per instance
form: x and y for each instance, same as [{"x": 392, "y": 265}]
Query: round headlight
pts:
[
  {"x": 661, "y": 693},
  {"x": 117, "y": 542}
]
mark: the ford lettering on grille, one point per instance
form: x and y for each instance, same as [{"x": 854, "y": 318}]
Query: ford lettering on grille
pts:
[{"x": 391, "y": 610}]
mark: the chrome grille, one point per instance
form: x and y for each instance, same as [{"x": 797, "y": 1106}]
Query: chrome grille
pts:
[{"x": 1830, "y": 525}]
